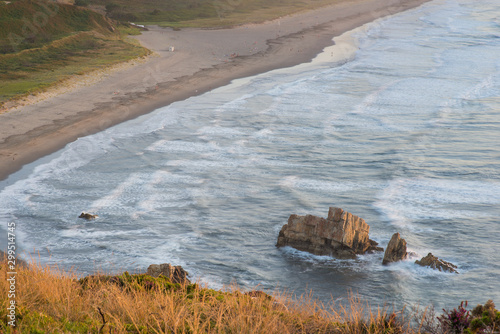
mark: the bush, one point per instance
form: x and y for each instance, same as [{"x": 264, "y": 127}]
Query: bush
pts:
[
  {"x": 455, "y": 321},
  {"x": 486, "y": 318},
  {"x": 482, "y": 319}
]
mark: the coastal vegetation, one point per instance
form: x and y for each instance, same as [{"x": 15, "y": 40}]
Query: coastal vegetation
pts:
[
  {"x": 45, "y": 43},
  {"x": 49, "y": 300},
  {"x": 203, "y": 13}
]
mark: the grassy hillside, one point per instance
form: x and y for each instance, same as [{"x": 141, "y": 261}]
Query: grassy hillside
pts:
[
  {"x": 42, "y": 43},
  {"x": 48, "y": 300},
  {"x": 51, "y": 301},
  {"x": 30, "y": 24},
  {"x": 203, "y": 13}
]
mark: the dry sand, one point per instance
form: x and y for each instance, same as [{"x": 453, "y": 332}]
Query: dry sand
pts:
[{"x": 202, "y": 60}]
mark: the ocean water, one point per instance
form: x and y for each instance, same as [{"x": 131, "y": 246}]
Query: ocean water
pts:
[{"x": 398, "y": 124}]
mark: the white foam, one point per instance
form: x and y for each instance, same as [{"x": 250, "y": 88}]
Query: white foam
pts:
[
  {"x": 267, "y": 132},
  {"x": 157, "y": 120},
  {"x": 219, "y": 131},
  {"x": 404, "y": 200},
  {"x": 309, "y": 257},
  {"x": 165, "y": 146},
  {"x": 344, "y": 48},
  {"x": 114, "y": 198},
  {"x": 297, "y": 182},
  {"x": 91, "y": 234}
]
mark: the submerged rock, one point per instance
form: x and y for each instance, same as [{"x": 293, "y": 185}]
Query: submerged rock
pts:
[
  {"x": 88, "y": 216},
  {"x": 396, "y": 250},
  {"x": 342, "y": 234},
  {"x": 176, "y": 274},
  {"x": 436, "y": 263}
]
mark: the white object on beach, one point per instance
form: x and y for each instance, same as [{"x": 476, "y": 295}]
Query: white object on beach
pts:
[{"x": 171, "y": 48}]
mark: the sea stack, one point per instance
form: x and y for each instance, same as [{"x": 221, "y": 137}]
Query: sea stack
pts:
[
  {"x": 396, "y": 250},
  {"x": 342, "y": 235}
]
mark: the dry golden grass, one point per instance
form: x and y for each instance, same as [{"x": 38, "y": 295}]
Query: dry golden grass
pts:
[{"x": 52, "y": 301}]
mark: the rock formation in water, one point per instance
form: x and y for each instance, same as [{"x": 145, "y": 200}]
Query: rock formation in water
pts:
[
  {"x": 436, "y": 263},
  {"x": 396, "y": 250},
  {"x": 176, "y": 274},
  {"x": 342, "y": 234},
  {"x": 88, "y": 216}
]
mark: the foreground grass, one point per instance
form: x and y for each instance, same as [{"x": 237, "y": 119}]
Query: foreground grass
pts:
[
  {"x": 51, "y": 301},
  {"x": 71, "y": 41}
]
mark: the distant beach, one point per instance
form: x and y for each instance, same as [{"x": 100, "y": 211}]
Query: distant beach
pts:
[{"x": 201, "y": 60}]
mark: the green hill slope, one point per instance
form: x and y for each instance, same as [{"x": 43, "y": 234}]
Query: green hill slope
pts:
[
  {"x": 42, "y": 43},
  {"x": 203, "y": 13},
  {"x": 29, "y": 24}
]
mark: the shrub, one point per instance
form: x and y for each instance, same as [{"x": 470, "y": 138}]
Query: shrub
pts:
[
  {"x": 486, "y": 318},
  {"x": 482, "y": 319},
  {"x": 455, "y": 321}
]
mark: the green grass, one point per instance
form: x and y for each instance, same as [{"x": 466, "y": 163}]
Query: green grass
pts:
[
  {"x": 28, "y": 24},
  {"x": 204, "y": 13},
  {"x": 34, "y": 71},
  {"x": 74, "y": 41}
]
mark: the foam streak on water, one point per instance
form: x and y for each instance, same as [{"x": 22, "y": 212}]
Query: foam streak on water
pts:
[{"x": 404, "y": 133}]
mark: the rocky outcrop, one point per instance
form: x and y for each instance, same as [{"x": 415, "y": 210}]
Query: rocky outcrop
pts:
[
  {"x": 396, "y": 250},
  {"x": 342, "y": 234},
  {"x": 436, "y": 263},
  {"x": 374, "y": 247},
  {"x": 176, "y": 274},
  {"x": 88, "y": 216}
]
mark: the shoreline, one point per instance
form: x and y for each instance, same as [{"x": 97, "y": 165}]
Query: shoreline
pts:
[{"x": 202, "y": 61}]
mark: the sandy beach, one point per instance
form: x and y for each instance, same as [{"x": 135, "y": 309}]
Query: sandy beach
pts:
[{"x": 202, "y": 60}]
